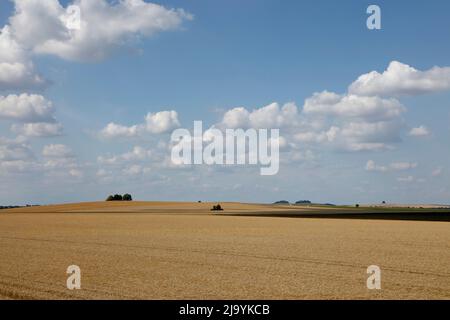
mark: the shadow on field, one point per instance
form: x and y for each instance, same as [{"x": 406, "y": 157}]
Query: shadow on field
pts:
[{"x": 425, "y": 215}]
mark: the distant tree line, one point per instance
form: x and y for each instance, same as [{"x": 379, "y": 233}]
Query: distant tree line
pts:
[
  {"x": 282, "y": 202},
  {"x": 15, "y": 207},
  {"x": 118, "y": 197},
  {"x": 297, "y": 202}
]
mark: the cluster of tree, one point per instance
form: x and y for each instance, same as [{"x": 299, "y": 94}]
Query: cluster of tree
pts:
[
  {"x": 281, "y": 202},
  {"x": 118, "y": 197},
  {"x": 217, "y": 208},
  {"x": 303, "y": 202}
]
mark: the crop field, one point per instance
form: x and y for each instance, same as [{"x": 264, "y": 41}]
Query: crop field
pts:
[{"x": 163, "y": 250}]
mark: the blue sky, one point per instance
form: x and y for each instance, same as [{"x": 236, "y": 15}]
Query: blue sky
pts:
[{"x": 234, "y": 54}]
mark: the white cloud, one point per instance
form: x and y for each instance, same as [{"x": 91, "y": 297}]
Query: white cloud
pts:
[
  {"x": 362, "y": 119},
  {"x": 17, "y": 166},
  {"x": 401, "y": 166},
  {"x": 406, "y": 179},
  {"x": 39, "y": 129},
  {"x": 272, "y": 116},
  {"x": 401, "y": 79},
  {"x": 344, "y": 122},
  {"x": 76, "y": 173},
  {"x": 137, "y": 154},
  {"x": 40, "y": 25},
  {"x": 354, "y": 121},
  {"x": 371, "y": 166},
  {"x": 16, "y": 69},
  {"x": 268, "y": 117},
  {"x": 16, "y": 156},
  {"x": 63, "y": 168},
  {"x": 350, "y": 122},
  {"x": 13, "y": 150},
  {"x": 156, "y": 123},
  {"x": 309, "y": 136},
  {"x": 366, "y": 146},
  {"x": 354, "y": 135},
  {"x": 236, "y": 118},
  {"x": 302, "y": 156},
  {"x": 346, "y": 138},
  {"x": 58, "y": 165},
  {"x": 394, "y": 166},
  {"x": 113, "y": 130},
  {"x": 34, "y": 113},
  {"x": 371, "y": 109},
  {"x": 385, "y": 131},
  {"x": 57, "y": 151},
  {"x": 60, "y": 161},
  {"x": 421, "y": 131},
  {"x": 102, "y": 173},
  {"x": 26, "y": 108},
  {"x": 133, "y": 170},
  {"x": 138, "y": 161},
  {"x": 162, "y": 122}
]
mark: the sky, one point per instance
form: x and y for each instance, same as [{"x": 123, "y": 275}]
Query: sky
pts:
[{"x": 88, "y": 111}]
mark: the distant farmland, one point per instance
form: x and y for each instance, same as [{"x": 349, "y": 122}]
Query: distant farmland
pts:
[{"x": 163, "y": 250}]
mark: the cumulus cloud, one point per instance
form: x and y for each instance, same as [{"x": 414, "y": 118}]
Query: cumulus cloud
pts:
[
  {"x": 352, "y": 137},
  {"x": 44, "y": 27},
  {"x": 137, "y": 154},
  {"x": 57, "y": 151},
  {"x": 162, "y": 122},
  {"x": 39, "y": 129},
  {"x": 350, "y": 122},
  {"x": 60, "y": 161},
  {"x": 138, "y": 161},
  {"x": 366, "y": 118},
  {"x": 270, "y": 116},
  {"x": 370, "y": 109},
  {"x": 363, "y": 119},
  {"x": 13, "y": 150},
  {"x": 155, "y": 123},
  {"x": 41, "y": 26},
  {"x": 32, "y": 114},
  {"x": 133, "y": 170},
  {"x": 16, "y": 156},
  {"x": 401, "y": 79},
  {"x": 236, "y": 118},
  {"x": 365, "y": 146},
  {"x": 421, "y": 131},
  {"x": 13, "y": 167},
  {"x": 26, "y": 108},
  {"x": 345, "y": 122},
  {"x": 113, "y": 130},
  {"x": 16, "y": 68}
]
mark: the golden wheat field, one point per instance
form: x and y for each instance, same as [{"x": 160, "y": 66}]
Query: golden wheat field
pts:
[{"x": 144, "y": 250}]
